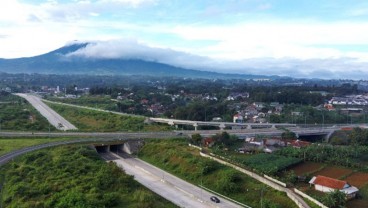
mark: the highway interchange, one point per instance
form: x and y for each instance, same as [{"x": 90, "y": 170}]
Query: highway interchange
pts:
[{"x": 159, "y": 181}]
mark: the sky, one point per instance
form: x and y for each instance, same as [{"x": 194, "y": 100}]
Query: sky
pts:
[{"x": 300, "y": 38}]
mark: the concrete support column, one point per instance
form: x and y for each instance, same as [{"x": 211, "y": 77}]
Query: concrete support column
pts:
[
  {"x": 176, "y": 127},
  {"x": 249, "y": 126},
  {"x": 273, "y": 126},
  {"x": 195, "y": 126},
  {"x": 222, "y": 126}
]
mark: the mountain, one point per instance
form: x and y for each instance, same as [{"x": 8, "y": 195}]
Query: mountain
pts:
[{"x": 56, "y": 62}]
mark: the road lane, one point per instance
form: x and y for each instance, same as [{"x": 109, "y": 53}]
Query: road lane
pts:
[
  {"x": 168, "y": 186},
  {"x": 54, "y": 118}
]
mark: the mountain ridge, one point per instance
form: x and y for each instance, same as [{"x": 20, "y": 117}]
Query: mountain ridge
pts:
[{"x": 57, "y": 62}]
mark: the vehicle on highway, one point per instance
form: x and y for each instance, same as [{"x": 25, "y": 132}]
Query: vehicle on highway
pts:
[{"x": 215, "y": 199}]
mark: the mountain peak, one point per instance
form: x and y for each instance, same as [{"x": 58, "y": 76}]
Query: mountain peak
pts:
[{"x": 69, "y": 48}]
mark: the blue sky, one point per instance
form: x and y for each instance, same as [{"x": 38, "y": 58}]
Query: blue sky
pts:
[{"x": 301, "y": 38}]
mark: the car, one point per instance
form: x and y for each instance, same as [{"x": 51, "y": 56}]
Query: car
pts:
[{"x": 215, "y": 199}]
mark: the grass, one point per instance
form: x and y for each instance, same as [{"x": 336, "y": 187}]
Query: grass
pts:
[
  {"x": 176, "y": 157},
  {"x": 101, "y": 102},
  {"x": 11, "y": 144},
  {"x": 17, "y": 114},
  {"x": 72, "y": 176},
  {"x": 96, "y": 121}
]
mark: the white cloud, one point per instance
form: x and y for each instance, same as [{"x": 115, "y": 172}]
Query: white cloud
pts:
[
  {"x": 275, "y": 39},
  {"x": 311, "y": 68}
]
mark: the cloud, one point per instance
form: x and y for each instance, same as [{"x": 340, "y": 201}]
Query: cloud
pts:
[
  {"x": 333, "y": 68},
  {"x": 303, "y": 40}
]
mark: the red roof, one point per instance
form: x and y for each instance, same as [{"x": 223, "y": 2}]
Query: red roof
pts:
[
  {"x": 298, "y": 143},
  {"x": 329, "y": 182}
]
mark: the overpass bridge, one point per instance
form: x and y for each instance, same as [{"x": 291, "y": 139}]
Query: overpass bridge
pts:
[{"x": 220, "y": 125}]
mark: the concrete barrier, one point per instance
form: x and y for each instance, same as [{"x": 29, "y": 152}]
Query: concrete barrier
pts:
[
  {"x": 310, "y": 198},
  {"x": 274, "y": 180},
  {"x": 195, "y": 146},
  {"x": 293, "y": 196}
]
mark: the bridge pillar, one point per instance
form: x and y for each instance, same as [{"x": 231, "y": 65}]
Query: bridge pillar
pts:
[
  {"x": 171, "y": 123},
  {"x": 195, "y": 126},
  {"x": 273, "y": 126},
  {"x": 176, "y": 126},
  {"x": 222, "y": 126},
  {"x": 249, "y": 126}
]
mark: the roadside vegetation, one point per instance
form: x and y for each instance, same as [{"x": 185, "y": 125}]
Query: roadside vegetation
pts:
[
  {"x": 16, "y": 114},
  {"x": 178, "y": 158},
  {"x": 96, "y": 121},
  {"x": 101, "y": 102},
  {"x": 11, "y": 144},
  {"x": 72, "y": 176}
]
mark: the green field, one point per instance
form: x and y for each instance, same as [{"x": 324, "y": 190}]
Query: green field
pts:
[
  {"x": 71, "y": 176},
  {"x": 96, "y": 121},
  {"x": 11, "y": 144},
  {"x": 17, "y": 114},
  {"x": 178, "y": 158},
  {"x": 101, "y": 102}
]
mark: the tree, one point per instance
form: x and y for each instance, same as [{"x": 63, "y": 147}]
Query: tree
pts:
[
  {"x": 288, "y": 135},
  {"x": 196, "y": 139},
  {"x": 335, "y": 199},
  {"x": 359, "y": 136}
]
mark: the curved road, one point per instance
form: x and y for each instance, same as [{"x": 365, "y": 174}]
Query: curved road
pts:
[{"x": 172, "y": 188}]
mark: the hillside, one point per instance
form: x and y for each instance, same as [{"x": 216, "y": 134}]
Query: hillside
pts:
[{"x": 56, "y": 62}]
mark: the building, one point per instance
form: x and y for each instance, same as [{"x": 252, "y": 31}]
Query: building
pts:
[
  {"x": 237, "y": 118},
  {"x": 326, "y": 184}
]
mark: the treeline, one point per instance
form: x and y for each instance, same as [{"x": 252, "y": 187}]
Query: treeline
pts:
[{"x": 72, "y": 176}]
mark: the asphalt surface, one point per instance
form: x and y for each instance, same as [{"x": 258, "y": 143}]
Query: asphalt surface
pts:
[
  {"x": 54, "y": 118},
  {"x": 168, "y": 186}
]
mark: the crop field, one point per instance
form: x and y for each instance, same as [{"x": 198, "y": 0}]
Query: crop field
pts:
[
  {"x": 334, "y": 172},
  {"x": 267, "y": 163},
  {"x": 306, "y": 168},
  {"x": 358, "y": 179}
]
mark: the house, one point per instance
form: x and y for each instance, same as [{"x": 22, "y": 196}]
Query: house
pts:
[
  {"x": 237, "y": 118},
  {"x": 298, "y": 143},
  {"x": 208, "y": 142},
  {"x": 236, "y": 96},
  {"x": 259, "y": 105},
  {"x": 251, "y": 111},
  {"x": 269, "y": 149},
  {"x": 326, "y": 184}
]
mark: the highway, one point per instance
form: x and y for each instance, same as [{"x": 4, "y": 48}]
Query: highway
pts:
[
  {"x": 54, "y": 118},
  {"x": 168, "y": 186},
  {"x": 172, "y": 188},
  {"x": 121, "y": 135}
]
